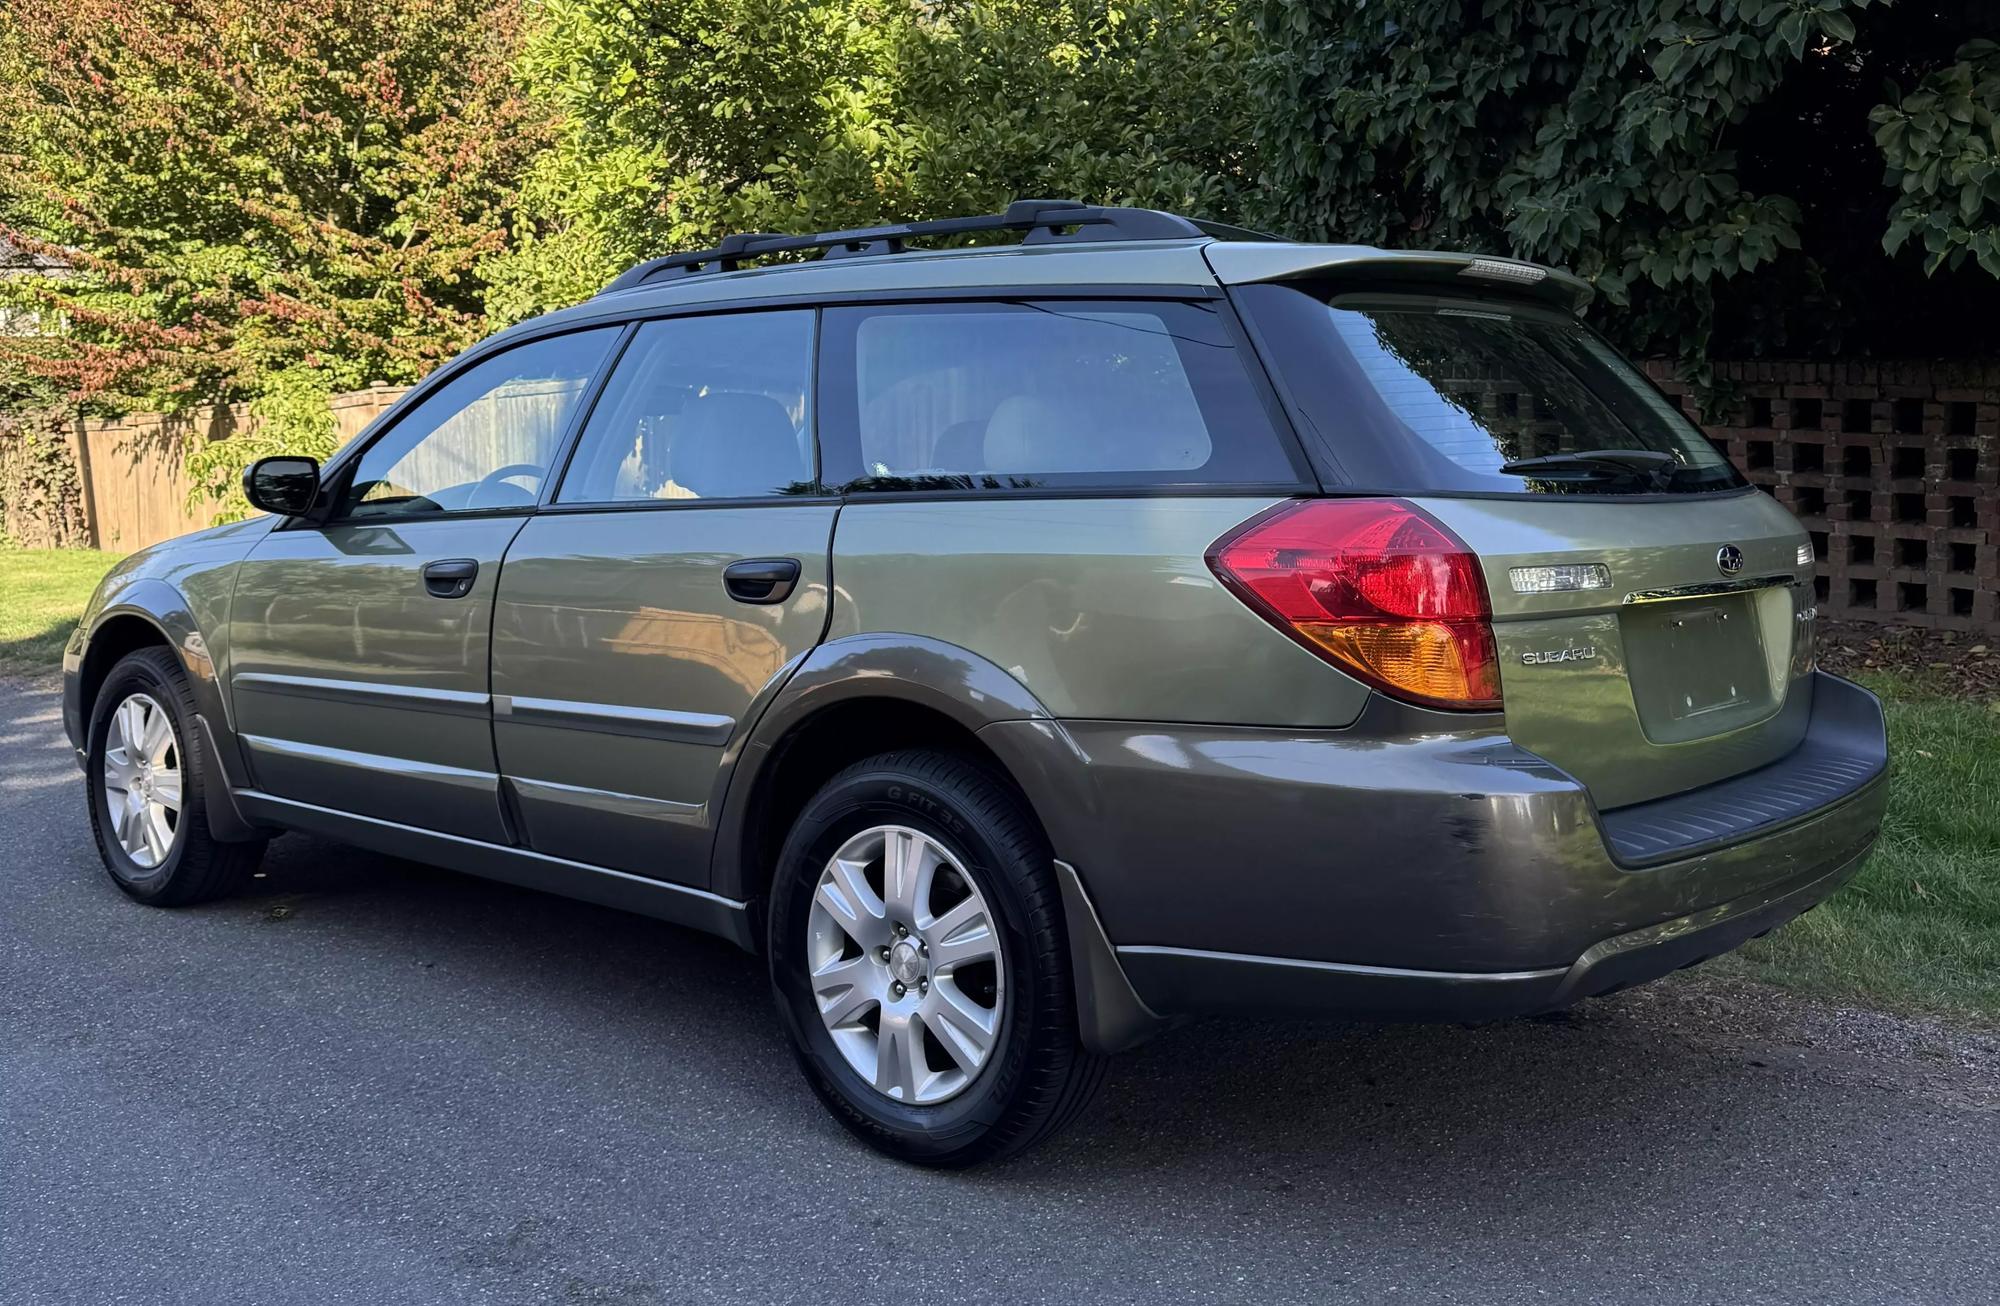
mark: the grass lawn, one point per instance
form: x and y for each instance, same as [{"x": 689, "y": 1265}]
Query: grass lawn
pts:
[
  {"x": 42, "y": 593},
  {"x": 1919, "y": 930}
]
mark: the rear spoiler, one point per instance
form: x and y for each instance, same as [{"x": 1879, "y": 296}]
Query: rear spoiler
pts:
[{"x": 1236, "y": 264}]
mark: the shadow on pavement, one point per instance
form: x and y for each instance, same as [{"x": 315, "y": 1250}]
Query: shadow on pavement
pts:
[{"x": 1660, "y": 1083}]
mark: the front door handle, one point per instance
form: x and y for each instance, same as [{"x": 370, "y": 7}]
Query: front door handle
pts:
[
  {"x": 761, "y": 580},
  {"x": 451, "y": 578}
]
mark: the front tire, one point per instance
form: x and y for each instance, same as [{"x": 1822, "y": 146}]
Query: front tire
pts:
[
  {"x": 149, "y": 777},
  {"x": 918, "y": 956}
]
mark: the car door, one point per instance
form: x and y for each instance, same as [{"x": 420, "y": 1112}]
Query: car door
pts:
[
  {"x": 677, "y": 577},
  {"x": 360, "y": 645}
]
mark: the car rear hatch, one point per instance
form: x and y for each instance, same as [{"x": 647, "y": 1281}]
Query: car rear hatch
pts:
[
  {"x": 1652, "y": 613},
  {"x": 1667, "y": 673}
]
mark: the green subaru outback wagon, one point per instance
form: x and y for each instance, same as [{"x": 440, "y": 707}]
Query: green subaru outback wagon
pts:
[{"x": 1024, "y": 646}]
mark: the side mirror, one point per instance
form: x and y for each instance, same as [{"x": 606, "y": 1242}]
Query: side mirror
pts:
[{"x": 283, "y": 485}]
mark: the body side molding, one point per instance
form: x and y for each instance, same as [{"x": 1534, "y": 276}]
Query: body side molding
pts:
[
  {"x": 659, "y": 899},
  {"x": 643, "y": 722},
  {"x": 291, "y": 748},
  {"x": 455, "y": 702}
]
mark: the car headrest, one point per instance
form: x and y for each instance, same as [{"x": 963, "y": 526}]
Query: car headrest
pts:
[
  {"x": 730, "y": 446},
  {"x": 960, "y": 447},
  {"x": 1029, "y": 434}
]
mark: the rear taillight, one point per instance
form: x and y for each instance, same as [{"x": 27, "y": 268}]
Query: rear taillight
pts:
[{"x": 1376, "y": 588}]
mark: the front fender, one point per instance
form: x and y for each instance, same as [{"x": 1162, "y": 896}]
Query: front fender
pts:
[
  {"x": 181, "y": 588},
  {"x": 103, "y": 636},
  {"x": 107, "y": 633}
]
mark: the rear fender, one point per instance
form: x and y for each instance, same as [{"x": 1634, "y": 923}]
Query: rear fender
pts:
[
  {"x": 927, "y": 673},
  {"x": 1035, "y": 750}
]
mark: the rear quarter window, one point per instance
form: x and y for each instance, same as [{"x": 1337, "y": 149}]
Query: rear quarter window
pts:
[{"x": 1042, "y": 395}]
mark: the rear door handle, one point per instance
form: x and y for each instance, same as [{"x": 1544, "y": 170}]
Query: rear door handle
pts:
[
  {"x": 451, "y": 578},
  {"x": 761, "y": 580}
]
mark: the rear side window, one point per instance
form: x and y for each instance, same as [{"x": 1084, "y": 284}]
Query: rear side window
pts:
[
  {"x": 702, "y": 408},
  {"x": 1426, "y": 395},
  {"x": 1032, "y": 395}
]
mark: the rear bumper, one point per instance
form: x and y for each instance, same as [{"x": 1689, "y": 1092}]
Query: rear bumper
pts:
[
  {"x": 1188, "y": 981},
  {"x": 1423, "y": 873}
]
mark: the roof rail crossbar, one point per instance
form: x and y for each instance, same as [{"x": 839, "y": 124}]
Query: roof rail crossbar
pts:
[{"x": 1042, "y": 221}]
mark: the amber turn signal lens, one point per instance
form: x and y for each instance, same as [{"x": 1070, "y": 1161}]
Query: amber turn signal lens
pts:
[{"x": 1444, "y": 665}]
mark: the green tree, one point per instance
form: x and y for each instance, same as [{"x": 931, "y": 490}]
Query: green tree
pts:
[
  {"x": 1706, "y": 164},
  {"x": 683, "y": 120},
  {"x": 267, "y": 200},
  {"x": 1596, "y": 136},
  {"x": 1138, "y": 103},
  {"x": 1941, "y": 142}
]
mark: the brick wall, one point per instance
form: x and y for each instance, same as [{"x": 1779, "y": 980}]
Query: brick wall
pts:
[{"x": 1894, "y": 468}]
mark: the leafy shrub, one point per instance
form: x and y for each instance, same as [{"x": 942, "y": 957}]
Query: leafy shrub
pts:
[
  {"x": 1942, "y": 145},
  {"x": 684, "y": 120},
  {"x": 1589, "y": 135}
]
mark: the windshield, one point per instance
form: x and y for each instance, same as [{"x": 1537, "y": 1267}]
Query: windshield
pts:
[{"x": 1418, "y": 394}]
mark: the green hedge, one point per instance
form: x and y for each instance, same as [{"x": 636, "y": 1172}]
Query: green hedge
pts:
[{"x": 1715, "y": 167}]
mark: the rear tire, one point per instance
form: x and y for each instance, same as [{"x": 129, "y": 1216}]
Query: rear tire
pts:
[
  {"x": 149, "y": 776},
  {"x": 999, "y": 1066}
]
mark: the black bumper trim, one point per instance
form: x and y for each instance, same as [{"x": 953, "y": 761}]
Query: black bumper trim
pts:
[
  {"x": 1842, "y": 752},
  {"x": 1188, "y": 981}
]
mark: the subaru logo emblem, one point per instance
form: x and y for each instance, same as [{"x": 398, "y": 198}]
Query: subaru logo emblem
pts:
[{"x": 1729, "y": 559}]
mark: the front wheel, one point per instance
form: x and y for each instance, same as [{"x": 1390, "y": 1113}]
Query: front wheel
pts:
[
  {"x": 150, "y": 778},
  {"x": 918, "y": 954}
]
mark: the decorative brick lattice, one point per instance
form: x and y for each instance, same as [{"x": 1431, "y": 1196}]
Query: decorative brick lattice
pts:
[{"x": 1894, "y": 469}]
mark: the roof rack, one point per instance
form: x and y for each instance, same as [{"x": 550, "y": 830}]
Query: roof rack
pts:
[{"x": 1044, "y": 221}]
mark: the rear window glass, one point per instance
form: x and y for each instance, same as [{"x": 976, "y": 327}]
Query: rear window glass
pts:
[
  {"x": 1414, "y": 394},
  {"x": 1021, "y": 396}
]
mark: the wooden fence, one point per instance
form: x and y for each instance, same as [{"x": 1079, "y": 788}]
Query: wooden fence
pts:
[
  {"x": 136, "y": 487},
  {"x": 133, "y": 470}
]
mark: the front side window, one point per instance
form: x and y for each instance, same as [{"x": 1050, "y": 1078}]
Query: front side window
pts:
[
  {"x": 1048, "y": 394},
  {"x": 1411, "y": 393},
  {"x": 484, "y": 440},
  {"x": 702, "y": 408}
]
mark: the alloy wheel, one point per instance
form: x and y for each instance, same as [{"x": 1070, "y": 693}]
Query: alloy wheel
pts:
[
  {"x": 142, "y": 779},
  {"x": 906, "y": 965}
]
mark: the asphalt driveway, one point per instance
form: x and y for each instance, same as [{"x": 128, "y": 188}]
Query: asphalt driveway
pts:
[{"x": 371, "y": 1082}]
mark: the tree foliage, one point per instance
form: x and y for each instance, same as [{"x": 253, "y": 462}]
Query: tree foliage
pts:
[
  {"x": 41, "y": 488},
  {"x": 1596, "y": 136},
  {"x": 684, "y": 120},
  {"x": 1137, "y": 103},
  {"x": 261, "y": 199},
  {"x": 1941, "y": 142},
  {"x": 274, "y": 200}
]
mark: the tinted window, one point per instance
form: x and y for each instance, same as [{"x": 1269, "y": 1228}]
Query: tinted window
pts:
[
  {"x": 1021, "y": 396},
  {"x": 1411, "y": 393},
  {"x": 485, "y": 438},
  {"x": 702, "y": 408}
]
